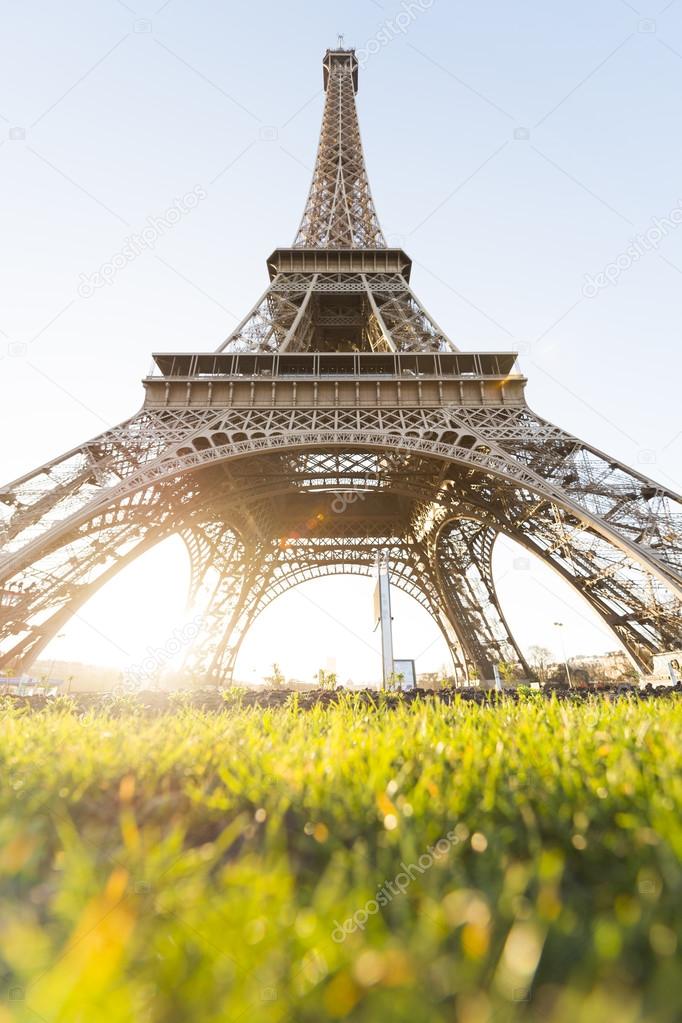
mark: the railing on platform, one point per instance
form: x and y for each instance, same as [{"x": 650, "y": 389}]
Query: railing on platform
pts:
[{"x": 319, "y": 364}]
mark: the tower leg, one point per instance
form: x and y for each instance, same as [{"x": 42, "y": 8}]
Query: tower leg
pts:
[{"x": 463, "y": 564}]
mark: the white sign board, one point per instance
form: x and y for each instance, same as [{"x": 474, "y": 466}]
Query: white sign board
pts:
[{"x": 408, "y": 671}]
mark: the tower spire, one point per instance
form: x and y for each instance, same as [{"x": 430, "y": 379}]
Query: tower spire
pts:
[{"x": 339, "y": 213}]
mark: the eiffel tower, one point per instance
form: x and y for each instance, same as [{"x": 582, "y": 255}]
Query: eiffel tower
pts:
[{"x": 339, "y": 420}]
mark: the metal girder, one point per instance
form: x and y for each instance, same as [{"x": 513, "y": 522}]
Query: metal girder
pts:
[
  {"x": 66, "y": 599},
  {"x": 463, "y": 558},
  {"x": 340, "y": 211},
  {"x": 380, "y": 311}
]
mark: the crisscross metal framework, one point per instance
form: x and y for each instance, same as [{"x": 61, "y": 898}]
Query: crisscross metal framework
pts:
[
  {"x": 280, "y": 465},
  {"x": 339, "y": 213}
]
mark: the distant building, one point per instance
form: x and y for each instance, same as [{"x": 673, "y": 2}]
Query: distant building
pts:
[
  {"x": 614, "y": 666},
  {"x": 667, "y": 668}
]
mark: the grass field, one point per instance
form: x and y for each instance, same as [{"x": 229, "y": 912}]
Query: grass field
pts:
[{"x": 426, "y": 863}]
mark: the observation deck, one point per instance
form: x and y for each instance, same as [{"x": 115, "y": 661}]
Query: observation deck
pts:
[
  {"x": 321, "y": 379},
  {"x": 340, "y": 261}
]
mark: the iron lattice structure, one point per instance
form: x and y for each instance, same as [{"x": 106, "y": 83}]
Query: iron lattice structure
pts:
[{"x": 338, "y": 419}]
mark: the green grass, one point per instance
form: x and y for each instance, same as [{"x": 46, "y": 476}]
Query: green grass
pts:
[{"x": 191, "y": 866}]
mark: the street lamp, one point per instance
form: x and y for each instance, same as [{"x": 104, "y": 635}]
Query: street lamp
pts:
[{"x": 560, "y": 625}]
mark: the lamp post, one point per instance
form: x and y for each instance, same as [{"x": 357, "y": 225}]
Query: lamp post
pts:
[
  {"x": 560, "y": 625},
  {"x": 382, "y": 617}
]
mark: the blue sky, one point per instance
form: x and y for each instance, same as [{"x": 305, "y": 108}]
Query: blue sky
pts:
[{"x": 512, "y": 150}]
